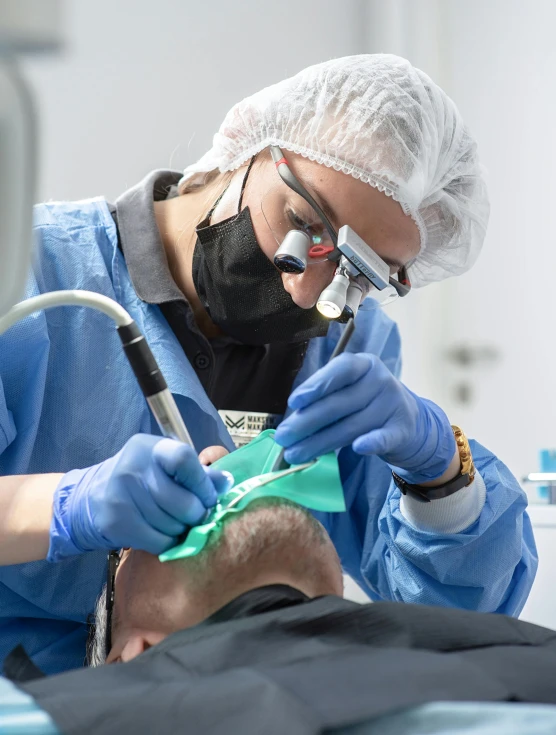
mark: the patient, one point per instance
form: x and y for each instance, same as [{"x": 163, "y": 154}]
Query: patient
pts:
[
  {"x": 271, "y": 542},
  {"x": 252, "y": 636}
]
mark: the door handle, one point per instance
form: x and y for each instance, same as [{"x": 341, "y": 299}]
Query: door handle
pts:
[{"x": 469, "y": 355}]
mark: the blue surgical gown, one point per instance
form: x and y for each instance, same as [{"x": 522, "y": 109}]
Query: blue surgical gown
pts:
[{"x": 68, "y": 399}]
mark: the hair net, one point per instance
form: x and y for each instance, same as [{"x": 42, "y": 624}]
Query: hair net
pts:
[{"x": 381, "y": 120}]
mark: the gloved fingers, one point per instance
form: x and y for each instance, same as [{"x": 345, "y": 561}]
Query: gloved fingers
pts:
[
  {"x": 175, "y": 501},
  {"x": 379, "y": 441},
  {"x": 327, "y": 411},
  {"x": 152, "y": 497},
  {"x": 335, "y": 375},
  {"x": 133, "y": 530},
  {"x": 181, "y": 463},
  {"x": 221, "y": 479},
  {"x": 333, "y": 437}
]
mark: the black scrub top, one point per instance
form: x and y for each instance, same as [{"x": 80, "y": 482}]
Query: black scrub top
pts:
[{"x": 235, "y": 376}]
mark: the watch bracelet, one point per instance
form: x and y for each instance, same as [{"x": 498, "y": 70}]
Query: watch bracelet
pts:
[{"x": 465, "y": 456}]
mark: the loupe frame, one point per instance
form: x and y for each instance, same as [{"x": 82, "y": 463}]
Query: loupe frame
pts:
[{"x": 402, "y": 284}]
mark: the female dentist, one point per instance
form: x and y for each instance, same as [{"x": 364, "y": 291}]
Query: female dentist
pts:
[{"x": 431, "y": 517}]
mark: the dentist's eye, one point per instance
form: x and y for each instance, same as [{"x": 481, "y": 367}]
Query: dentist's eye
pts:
[{"x": 314, "y": 231}]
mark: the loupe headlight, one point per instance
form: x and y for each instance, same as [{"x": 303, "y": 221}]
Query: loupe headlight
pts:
[
  {"x": 361, "y": 273},
  {"x": 332, "y": 300}
]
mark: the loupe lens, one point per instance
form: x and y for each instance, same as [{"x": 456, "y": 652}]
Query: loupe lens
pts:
[
  {"x": 354, "y": 297},
  {"x": 285, "y": 211},
  {"x": 293, "y": 253},
  {"x": 289, "y": 264}
]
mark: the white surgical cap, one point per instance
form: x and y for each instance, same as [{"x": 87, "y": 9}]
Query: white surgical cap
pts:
[{"x": 381, "y": 120}]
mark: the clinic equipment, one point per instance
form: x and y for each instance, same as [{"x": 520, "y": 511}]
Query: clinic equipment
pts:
[
  {"x": 26, "y": 26},
  {"x": 150, "y": 379},
  {"x": 546, "y": 482},
  {"x": 315, "y": 485},
  {"x": 545, "y": 479},
  {"x": 360, "y": 271},
  {"x": 342, "y": 298}
]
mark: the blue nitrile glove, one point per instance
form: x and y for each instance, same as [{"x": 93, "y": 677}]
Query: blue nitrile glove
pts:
[
  {"x": 143, "y": 498},
  {"x": 355, "y": 399}
]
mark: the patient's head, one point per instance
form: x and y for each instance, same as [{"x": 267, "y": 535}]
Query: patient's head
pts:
[{"x": 272, "y": 541}]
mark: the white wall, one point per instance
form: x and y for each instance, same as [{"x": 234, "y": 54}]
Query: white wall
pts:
[
  {"x": 502, "y": 68},
  {"x": 145, "y": 85},
  {"x": 497, "y": 59},
  {"x": 415, "y": 29}
]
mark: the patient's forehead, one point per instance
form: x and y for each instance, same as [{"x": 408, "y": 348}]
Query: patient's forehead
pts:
[{"x": 261, "y": 523}]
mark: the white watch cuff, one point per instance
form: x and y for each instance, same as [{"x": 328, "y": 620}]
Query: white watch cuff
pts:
[{"x": 446, "y": 515}]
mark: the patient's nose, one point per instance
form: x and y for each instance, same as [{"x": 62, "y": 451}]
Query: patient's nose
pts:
[{"x": 211, "y": 454}]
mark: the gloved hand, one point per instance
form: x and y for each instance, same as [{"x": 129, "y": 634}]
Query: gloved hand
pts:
[
  {"x": 144, "y": 498},
  {"x": 354, "y": 399}
]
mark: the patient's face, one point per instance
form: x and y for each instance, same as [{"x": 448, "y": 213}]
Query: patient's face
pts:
[
  {"x": 151, "y": 601},
  {"x": 267, "y": 546}
]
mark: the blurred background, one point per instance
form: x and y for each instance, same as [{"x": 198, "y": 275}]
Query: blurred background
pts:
[{"x": 143, "y": 85}]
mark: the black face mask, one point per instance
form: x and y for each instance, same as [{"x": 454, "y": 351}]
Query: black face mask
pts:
[{"x": 241, "y": 289}]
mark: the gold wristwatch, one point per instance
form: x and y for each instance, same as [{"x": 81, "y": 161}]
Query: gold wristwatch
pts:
[
  {"x": 465, "y": 456},
  {"x": 464, "y": 479}
]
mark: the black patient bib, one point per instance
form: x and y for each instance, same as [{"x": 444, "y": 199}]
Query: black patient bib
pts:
[{"x": 306, "y": 668}]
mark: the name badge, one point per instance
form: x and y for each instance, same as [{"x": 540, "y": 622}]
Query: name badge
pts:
[{"x": 243, "y": 426}]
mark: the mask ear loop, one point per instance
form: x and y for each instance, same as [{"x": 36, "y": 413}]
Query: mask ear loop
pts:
[
  {"x": 217, "y": 202},
  {"x": 251, "y": 162}
]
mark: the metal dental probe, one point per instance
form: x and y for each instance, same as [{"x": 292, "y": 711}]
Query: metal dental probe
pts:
[{"x": 341, "y": 345}]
